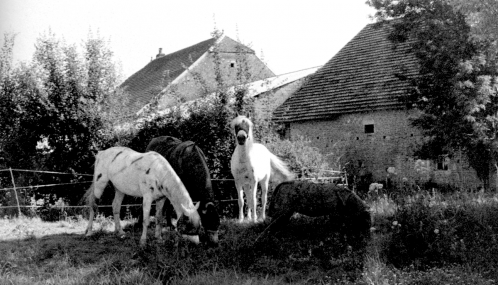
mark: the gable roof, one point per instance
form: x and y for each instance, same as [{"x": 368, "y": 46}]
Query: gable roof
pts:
[
  {"x": 144, "y": 84},
  {"x": 361, "y": 77},
  {"x": 254, "y": 89},
  {"x": 148, "y": 82}
]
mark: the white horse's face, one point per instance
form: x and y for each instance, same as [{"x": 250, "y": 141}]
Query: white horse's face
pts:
[
  {"x": 241, "y": 137},
  {"x": 242, "y": 129}
]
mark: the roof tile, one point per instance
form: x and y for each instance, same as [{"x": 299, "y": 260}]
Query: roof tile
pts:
[
  {"x": 143, "y": 85},
  {"x": 360, "y": 77}
]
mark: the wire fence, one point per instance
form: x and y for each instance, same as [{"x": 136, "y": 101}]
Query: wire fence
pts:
[
  {"x": 224, "y": 189},
  {"x": 18, "y": 202}
]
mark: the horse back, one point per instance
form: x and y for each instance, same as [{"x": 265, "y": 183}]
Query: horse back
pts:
[
  {"x": 189, "y": 163},
  {"x": 127, "y": 169},
  {"x": 306, "y": 198}
]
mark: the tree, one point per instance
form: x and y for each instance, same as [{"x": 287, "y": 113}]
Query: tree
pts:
[
  {"x": 481, "y": 17},
  {"x": 457, "y": 83},
  {"x": 55, "y": 111}
]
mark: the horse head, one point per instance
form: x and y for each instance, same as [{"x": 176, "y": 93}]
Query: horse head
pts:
[
  {"x": 242, "y": 129},
  {"x": 194, "y": 219},
  {"x": 210, "y": 221}
]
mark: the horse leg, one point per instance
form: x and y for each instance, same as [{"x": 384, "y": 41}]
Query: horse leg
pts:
[
  {"x": 95, "y": 192},
  {"x": 147, "y": 202},
  {"x": 253, "y": 203},
  {"x": 116, "y": 209},
  {"x": 264, "y": 195},
  {"x": 168, "y": 211},
  {"x": 159, "y": 218},
  {"x": 240, "y": 193}
]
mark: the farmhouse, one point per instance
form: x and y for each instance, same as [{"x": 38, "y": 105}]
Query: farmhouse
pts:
[
  {"x": 352, "y": 110},
  {"x": 189, "y": 73},
  {"x": 268, "y": 94}
]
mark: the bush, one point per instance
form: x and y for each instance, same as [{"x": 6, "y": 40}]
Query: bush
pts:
[
  {"x": 431, "y": 230},
  {"x": 302, "y": 158}
]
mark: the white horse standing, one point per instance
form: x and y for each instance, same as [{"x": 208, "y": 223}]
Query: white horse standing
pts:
[
  {"x": 253, "y": 163},
  {"x": 148, "y": 175}
]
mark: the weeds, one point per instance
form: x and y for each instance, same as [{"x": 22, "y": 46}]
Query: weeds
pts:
[{"x": 426, "y": 238}]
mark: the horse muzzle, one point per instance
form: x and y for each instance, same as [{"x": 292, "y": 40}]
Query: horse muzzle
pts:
[{"x": 241, "y": 138}]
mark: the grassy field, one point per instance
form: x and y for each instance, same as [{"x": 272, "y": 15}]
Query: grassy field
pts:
[{"x": 422, "y": 239}]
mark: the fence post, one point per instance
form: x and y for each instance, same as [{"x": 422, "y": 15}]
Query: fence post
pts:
[{"x": 15, "y": 191}]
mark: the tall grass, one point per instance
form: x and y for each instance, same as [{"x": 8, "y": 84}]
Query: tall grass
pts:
[{"x": 428, "y": 238}]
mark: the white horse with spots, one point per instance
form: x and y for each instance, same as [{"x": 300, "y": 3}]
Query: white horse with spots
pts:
[
  {"x": 148, "y": 175},
  {"x": 253, "y": 163}
]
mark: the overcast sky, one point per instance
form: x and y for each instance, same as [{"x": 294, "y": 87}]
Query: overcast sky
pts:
[{"x": 291, "y": 35}]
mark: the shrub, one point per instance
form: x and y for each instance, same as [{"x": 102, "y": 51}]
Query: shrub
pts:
[
  {"x": 303, "y": 159},
  {"x": 432, "y": 230}
]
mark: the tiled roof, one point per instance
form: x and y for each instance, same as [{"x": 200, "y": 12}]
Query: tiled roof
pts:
[
  {"x": 253, "y": 89},
  {"x": 148, "y": 81},
  {"x": 363, "y": 76}
]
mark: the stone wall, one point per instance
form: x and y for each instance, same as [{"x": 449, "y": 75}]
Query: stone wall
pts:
[
  {"x": 380, "y": 145},
  {"x": 200, "y": 80}
]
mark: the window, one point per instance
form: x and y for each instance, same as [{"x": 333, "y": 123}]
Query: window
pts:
[
  {"x": 284, "y": 132},
  {"x": 369, "y": 129},
  {"x": 232, "y": 64},
  {"x": 368, "y": 124},
  {"x": 442, "y": 162}
]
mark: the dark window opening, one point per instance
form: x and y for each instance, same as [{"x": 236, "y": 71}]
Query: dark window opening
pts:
[
  {"x": 232, "y": 64},
  {"x": 369, "y": 129},
  {"x": 284, "y": 131},
  {"x": 442, "y": 162}
]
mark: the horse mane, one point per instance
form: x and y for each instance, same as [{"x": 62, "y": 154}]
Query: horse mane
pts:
[
  {"x": 239, "y": 119},
  {"x": 171, "y": 147}
]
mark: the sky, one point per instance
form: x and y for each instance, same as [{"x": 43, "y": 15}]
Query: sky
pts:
[{"x": 289, "y": 35}]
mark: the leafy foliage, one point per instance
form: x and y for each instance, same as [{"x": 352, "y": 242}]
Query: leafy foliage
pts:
[
  {"x": 303, "y": 159},
  {"x": 54, "y": 111},
  {"x": 457, "y": 84},
  {"x": 431, "y": 230}
]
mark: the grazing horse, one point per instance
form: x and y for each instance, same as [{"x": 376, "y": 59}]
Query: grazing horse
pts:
[
  {"x": 147, "y": 175},
  {"x": 189, "y": 162},
  {"x": 253, "y": 163},
  {"x": 314, "y": 200}
]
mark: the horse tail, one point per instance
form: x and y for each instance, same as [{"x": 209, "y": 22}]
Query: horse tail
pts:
[
  {"x": 280, "y": 170},
  {"x": 89, "y": 197}
]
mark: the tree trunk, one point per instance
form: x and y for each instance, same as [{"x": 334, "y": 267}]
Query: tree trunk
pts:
[{"x": 496, "y": 176}]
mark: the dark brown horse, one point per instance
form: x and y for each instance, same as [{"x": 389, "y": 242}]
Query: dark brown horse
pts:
[
  {"x": 311, "y": 199},
  {"x": 189, "y": 163}
]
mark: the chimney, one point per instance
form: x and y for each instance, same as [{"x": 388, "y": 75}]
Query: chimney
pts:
[{"x": 160, "y": 54}]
